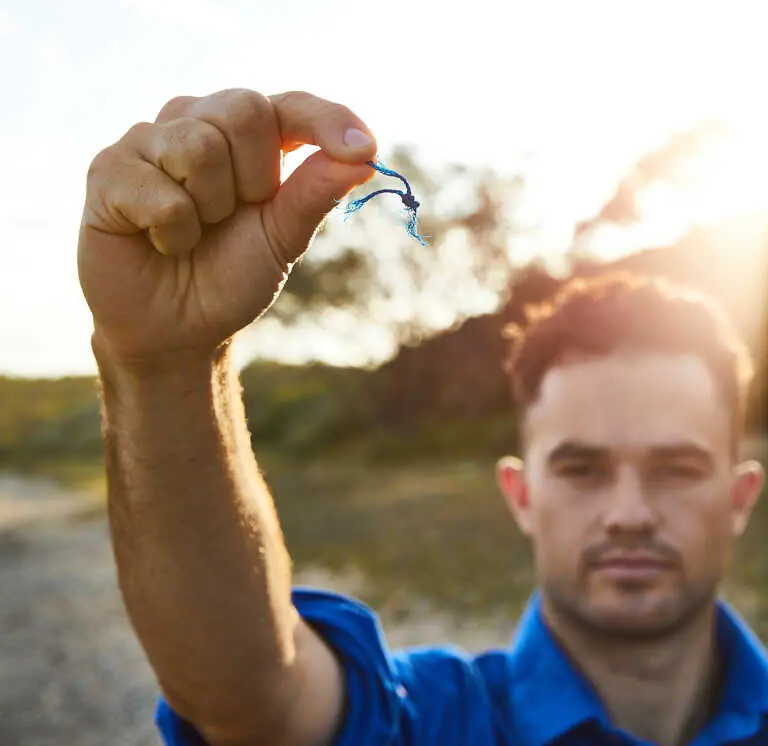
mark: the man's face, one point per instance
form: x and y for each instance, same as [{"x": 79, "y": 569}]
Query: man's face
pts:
[{"x": 630, "y": 493}]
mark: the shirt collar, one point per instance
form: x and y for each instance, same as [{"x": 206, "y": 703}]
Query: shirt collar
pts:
[
  {"x": 745, "y": 689},
  {"x": 543, "y": 676}
]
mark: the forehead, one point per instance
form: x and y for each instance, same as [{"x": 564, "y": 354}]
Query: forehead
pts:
[{"x": 629, "y": 400}]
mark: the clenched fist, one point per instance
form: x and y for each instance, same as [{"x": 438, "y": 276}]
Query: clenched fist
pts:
[{"x": 187, "y": 233}]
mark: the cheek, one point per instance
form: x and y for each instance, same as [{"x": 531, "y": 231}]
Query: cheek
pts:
[
  {"x": 701, "y": 528},
  {"x": 561, "y": 534}
]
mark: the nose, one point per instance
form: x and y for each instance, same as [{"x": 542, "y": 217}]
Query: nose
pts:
[{"x": 627, "y": 507}]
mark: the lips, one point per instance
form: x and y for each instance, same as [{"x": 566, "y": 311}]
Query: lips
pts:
[
  {"x": 632, "y": 567},
  {"x": 633, "y": 559},
  {"x": 633, "y": 562}
]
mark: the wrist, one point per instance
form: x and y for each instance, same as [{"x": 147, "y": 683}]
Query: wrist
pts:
[
  {"x": 156, "y": 382},
  {"x": 169, "y": 365}
]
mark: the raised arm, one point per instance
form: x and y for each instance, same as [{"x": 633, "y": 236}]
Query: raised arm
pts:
[{"x": 187, "y": 236}]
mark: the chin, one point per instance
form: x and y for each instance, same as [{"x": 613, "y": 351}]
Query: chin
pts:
[
  {"x": 631, "y": 609},
  {"x": 631, "y": 621},
  {"x": 639, "y": 613}
]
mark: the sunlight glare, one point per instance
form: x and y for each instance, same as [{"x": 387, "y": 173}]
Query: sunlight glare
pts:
[{"x": 727, "y": 180}]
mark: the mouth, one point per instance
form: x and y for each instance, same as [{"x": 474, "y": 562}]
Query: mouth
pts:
[{"x": 632, "y": 568}]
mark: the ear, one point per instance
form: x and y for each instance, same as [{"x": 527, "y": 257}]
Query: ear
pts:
[
  {"x": 510, "y": 476},
  {"x": 748, "y": 484}
]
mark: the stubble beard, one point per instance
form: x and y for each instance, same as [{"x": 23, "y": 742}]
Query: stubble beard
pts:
[{"x": 668, "y": 618}]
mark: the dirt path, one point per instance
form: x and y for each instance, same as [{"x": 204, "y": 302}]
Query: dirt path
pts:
[
  {"x": 71, "y": 671},
  {"x": 26, "y": 499}
]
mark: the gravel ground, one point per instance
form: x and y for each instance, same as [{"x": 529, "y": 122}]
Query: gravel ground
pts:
[{"x": 71, "y": 670}]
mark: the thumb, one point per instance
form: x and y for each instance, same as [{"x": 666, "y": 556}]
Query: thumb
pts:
[{"x": 306, "y": 197}]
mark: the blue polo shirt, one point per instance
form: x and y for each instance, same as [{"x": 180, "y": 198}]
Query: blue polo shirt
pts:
[{"x": 527, "y": 695}]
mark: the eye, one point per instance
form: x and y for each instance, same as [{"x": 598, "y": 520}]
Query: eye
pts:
[
  {"x": 678, "y": 471},
  {"x": 581, "y": 470}
]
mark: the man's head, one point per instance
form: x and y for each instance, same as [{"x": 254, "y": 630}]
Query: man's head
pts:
[{"x": 631, "y": 394}]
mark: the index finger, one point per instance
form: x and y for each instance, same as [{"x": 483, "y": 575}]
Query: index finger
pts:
[
  {"x": 259, "y": 127},
  {"x": 305, "y": 119}
]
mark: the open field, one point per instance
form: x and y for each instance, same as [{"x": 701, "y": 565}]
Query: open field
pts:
[{"x": 429, "y": 545}]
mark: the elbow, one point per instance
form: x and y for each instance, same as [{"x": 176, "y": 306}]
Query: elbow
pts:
[{"x": 227, "y": 723}]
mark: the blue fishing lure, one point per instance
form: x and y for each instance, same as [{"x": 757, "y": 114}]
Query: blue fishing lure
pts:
[{"x": 409, "y": 201}]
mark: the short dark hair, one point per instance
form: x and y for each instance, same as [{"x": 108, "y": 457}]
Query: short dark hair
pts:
[{"x": 598, "y": 315}]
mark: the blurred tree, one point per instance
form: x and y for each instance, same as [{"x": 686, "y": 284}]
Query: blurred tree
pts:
[
  {"x": 334, "y": 282},
  {"x": 371, "y": 267}
]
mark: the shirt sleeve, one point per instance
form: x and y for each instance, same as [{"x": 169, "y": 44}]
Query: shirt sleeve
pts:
[{"x": 422, "y": 697}]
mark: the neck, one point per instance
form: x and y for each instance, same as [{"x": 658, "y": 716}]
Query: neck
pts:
[{"x": 660, "y": 690}]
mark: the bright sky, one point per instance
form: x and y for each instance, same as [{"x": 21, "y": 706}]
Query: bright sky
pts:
[{"x": 584, "y": 87}]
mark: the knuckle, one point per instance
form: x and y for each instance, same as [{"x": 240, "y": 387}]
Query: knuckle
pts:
[
  {"x": 201, "y": 145},
  {"x": 247, "y": 110},
  {"x": 206, "y": 149},
  {"x": 110, "y": 157},
  {"x": 295, "y": 96},
  {"x": 139, "y": 134},
  {"x": 171, "y": 210},
  {"x": 175, "y": 107},
  {"x": 101, "y": 162},
  {"x": 295, "y": 101},
  {"x": 138, "y": 131}
]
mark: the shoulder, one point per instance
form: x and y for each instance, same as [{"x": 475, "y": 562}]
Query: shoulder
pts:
[
  {"x": 346, "y": 621},
  {"x": 453, "y": 669}
]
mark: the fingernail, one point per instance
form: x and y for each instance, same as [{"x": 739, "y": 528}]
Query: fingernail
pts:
[{"x": 355, "y": 138}]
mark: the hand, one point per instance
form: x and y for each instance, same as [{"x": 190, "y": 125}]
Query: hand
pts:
[{"x": 187, "y": 234}]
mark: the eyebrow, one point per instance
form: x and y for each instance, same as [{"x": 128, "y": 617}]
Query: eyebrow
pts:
[
  {"x": 574, "y": 449},
  {"x": 682, "y": 451}
]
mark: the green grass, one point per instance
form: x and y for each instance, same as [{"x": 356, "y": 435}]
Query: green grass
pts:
[
  {"x": 436, "y": 530},
  {"x": 439, "y": 531}
]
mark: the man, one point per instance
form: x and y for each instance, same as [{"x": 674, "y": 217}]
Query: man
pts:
[{"x": 632, "y": 397}]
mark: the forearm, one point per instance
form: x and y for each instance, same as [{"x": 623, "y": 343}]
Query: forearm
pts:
[{"x": 201, "y": 560}]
